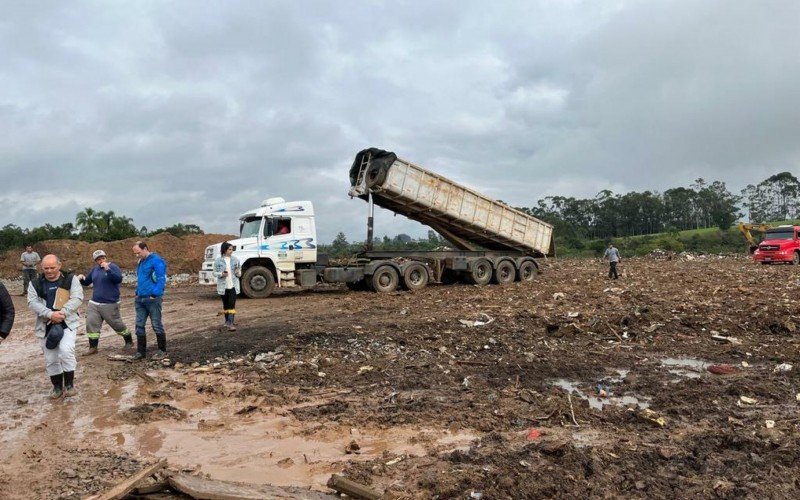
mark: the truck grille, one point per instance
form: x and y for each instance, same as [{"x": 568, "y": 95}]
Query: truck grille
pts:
[{"x": 769, "y": 248}]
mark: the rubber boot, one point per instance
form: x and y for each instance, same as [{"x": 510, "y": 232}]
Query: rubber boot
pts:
[
  {"x": 128, "y": 340},
  {"x": 227, "y": 321},
  {"x": 231, "y": 328},
  {"x": 141, "y": 347},
  {"x": 162, "y": 347},
  {"x": 58, "y": 384},
  {"x": 69, "y": 384},
  {"x": 93, "y": 343}
]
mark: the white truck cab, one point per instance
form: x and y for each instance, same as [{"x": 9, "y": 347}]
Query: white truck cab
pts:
[{"x": 277, "y": 246}]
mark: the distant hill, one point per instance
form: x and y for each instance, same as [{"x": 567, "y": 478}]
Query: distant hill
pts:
[{"x": 183, "y": 255}]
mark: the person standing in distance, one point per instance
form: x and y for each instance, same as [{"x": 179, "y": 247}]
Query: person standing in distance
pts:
[
  {"x": 151, "y": 278},
  {"x": 6, "y": 313},
  {"x": 228, "y": 270},
  {"x": 612, "y": 254},
  {"x": 29, "y": 259},
  {"x": 105, "y": 277},
  {"x": 57, "y": 323}
]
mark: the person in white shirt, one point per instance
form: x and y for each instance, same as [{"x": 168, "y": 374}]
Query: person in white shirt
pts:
[{"x": 228, "y": 270}]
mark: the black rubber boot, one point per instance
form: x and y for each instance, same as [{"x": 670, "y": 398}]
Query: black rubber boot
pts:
[
  {"x": 69, "y": 384},
  {"x": 162, "y": 342},
  {"x": 128, "y": 340},
  {"x": 93, "y": 343},
  {"x": 141, "y": 347},
  {"x": 58, "y": 384}
]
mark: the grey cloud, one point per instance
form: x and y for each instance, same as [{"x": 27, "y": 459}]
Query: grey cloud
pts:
[{"x": 195, "y": 112}]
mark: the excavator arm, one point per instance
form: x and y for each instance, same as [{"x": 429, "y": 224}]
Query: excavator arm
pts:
[{"x": 747, "y": 230}]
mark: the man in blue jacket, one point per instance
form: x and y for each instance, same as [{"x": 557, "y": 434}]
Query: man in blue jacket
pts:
[
  {"x": 105, "y": 277},
  {"x": 151, "y": 278}
]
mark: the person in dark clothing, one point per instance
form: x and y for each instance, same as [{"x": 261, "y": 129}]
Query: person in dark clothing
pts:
[
  {"x": 6, "y": 313},
  {"x": 227, "y": 270},
  {"x": 105, "y": 277}
]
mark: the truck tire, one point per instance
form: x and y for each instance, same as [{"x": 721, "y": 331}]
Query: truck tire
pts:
[
  {"x": 796, "y": 258},
  {"x": 375, "y": 175},
  {"x": 258, "y": 282},
  {"x": 527, "y": 271},
  {"x": 504, "y": 273},
  {"x": 415, "y": 276},
  {"x": 385, "y": 279},
  {"x": 480, "y": 273}
]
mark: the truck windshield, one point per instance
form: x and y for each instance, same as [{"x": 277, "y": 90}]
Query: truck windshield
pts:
[
  {"x": 250, "y": 227},
  {"x": 779, "y": 235}
]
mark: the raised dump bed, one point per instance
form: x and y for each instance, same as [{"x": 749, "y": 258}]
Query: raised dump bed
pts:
[{"x": 466, "y": 217}]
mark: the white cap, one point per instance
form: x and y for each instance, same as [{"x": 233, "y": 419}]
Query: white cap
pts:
[{"x": 97, "y": 254}]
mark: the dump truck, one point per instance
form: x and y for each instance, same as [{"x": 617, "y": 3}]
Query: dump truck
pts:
[{"x": 492, "y": 241}]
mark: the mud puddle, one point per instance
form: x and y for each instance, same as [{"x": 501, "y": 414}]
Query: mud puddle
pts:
[
  {"x": 685, "y": 367},
  {"x": 265, "y": 446},
  {"x": 598, "y": 402}
]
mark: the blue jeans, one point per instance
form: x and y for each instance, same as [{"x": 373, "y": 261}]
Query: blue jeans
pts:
[{"x": 148, "y": 306}]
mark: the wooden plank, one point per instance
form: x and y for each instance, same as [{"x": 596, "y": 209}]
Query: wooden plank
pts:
[
  {"x": 352, "y": 489},
  {"x": 125, "y": 487},
  {"x": 211, "y": 489}
]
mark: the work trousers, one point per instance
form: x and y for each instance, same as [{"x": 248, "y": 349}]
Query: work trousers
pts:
[
  {"x": 28, "y": 275},
  {"x": 612, "y": 270},
  {"x": 97, "y": 313},
  {"x": 149, "y": 307},
  {"x": 62, "y": 358}
]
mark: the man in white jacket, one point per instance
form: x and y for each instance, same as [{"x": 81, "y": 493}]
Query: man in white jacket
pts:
[{"x": 55, "y": 298}]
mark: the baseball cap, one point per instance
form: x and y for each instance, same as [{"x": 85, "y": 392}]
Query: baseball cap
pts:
[{"x": 97, "y": 254}]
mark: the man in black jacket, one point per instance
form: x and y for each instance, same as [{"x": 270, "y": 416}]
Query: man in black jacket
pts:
[{"x": 6, "y": 313}]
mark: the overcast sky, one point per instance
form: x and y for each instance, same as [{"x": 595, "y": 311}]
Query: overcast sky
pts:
[{"x": 195, "y": 111}]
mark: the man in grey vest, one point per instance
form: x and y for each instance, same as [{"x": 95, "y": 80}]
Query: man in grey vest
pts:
[{"x": 29, "y": 259}]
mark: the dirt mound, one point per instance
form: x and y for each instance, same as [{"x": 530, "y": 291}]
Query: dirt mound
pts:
[
  {"x": 151, "y": 412},
  {"x": 183, "y": 255}
]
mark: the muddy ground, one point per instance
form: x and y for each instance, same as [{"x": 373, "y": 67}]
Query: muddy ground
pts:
[{"x": 568, "y": 386}]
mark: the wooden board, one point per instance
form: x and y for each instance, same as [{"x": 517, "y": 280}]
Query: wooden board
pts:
[
  {"x": 126, "y": 486},
  {"x": 211, "y": 489}
]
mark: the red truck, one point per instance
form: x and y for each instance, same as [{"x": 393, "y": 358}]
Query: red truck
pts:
[{"x": 781, "y": 244}]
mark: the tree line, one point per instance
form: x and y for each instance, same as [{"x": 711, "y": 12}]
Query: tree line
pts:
[
  {"x": 701, "y": 205},
  {"x": 90, "y": 225}
]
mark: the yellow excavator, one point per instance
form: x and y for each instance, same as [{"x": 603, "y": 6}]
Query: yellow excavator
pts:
[{"x": 747, "y": 230}]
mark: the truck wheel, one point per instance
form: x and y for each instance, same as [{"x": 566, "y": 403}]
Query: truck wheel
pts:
[
  {"x": 375, "y": 176},
  {"x": 504, "y": 273},
  {"x": 415, "y": 276},
  {"x": 527, "y": 271},
  {"x": 481, "y": 273},
  {"x": 796, "y": 258},
  {"x": 258, "y": 282},
  {"x": 385, "y": 279}
]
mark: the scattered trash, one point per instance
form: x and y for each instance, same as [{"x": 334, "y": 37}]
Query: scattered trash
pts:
[
  {"x": 524, "y": 463},
  {"x": 395, "y": 461},
  {"x": 485, "y": 319},
  {"x": 365, "y": 369},
  {"x": 747, "y": 401},
  {"x": 534, "y": 434},
  {"x": 722, "y": 369},
  {"x": 783, "y": 368},
  {"x": 745, "y": 364},
  {"x": 730, "y": 340},
  {"x": 573, "y": 314},
  {"x": 652, "y": 417},
  {"x": 769, "y": 424},
  {"x": 601, "y": 390},
  {"x": 476, "y": 495},
  {"x": 559, "y": 296}
]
